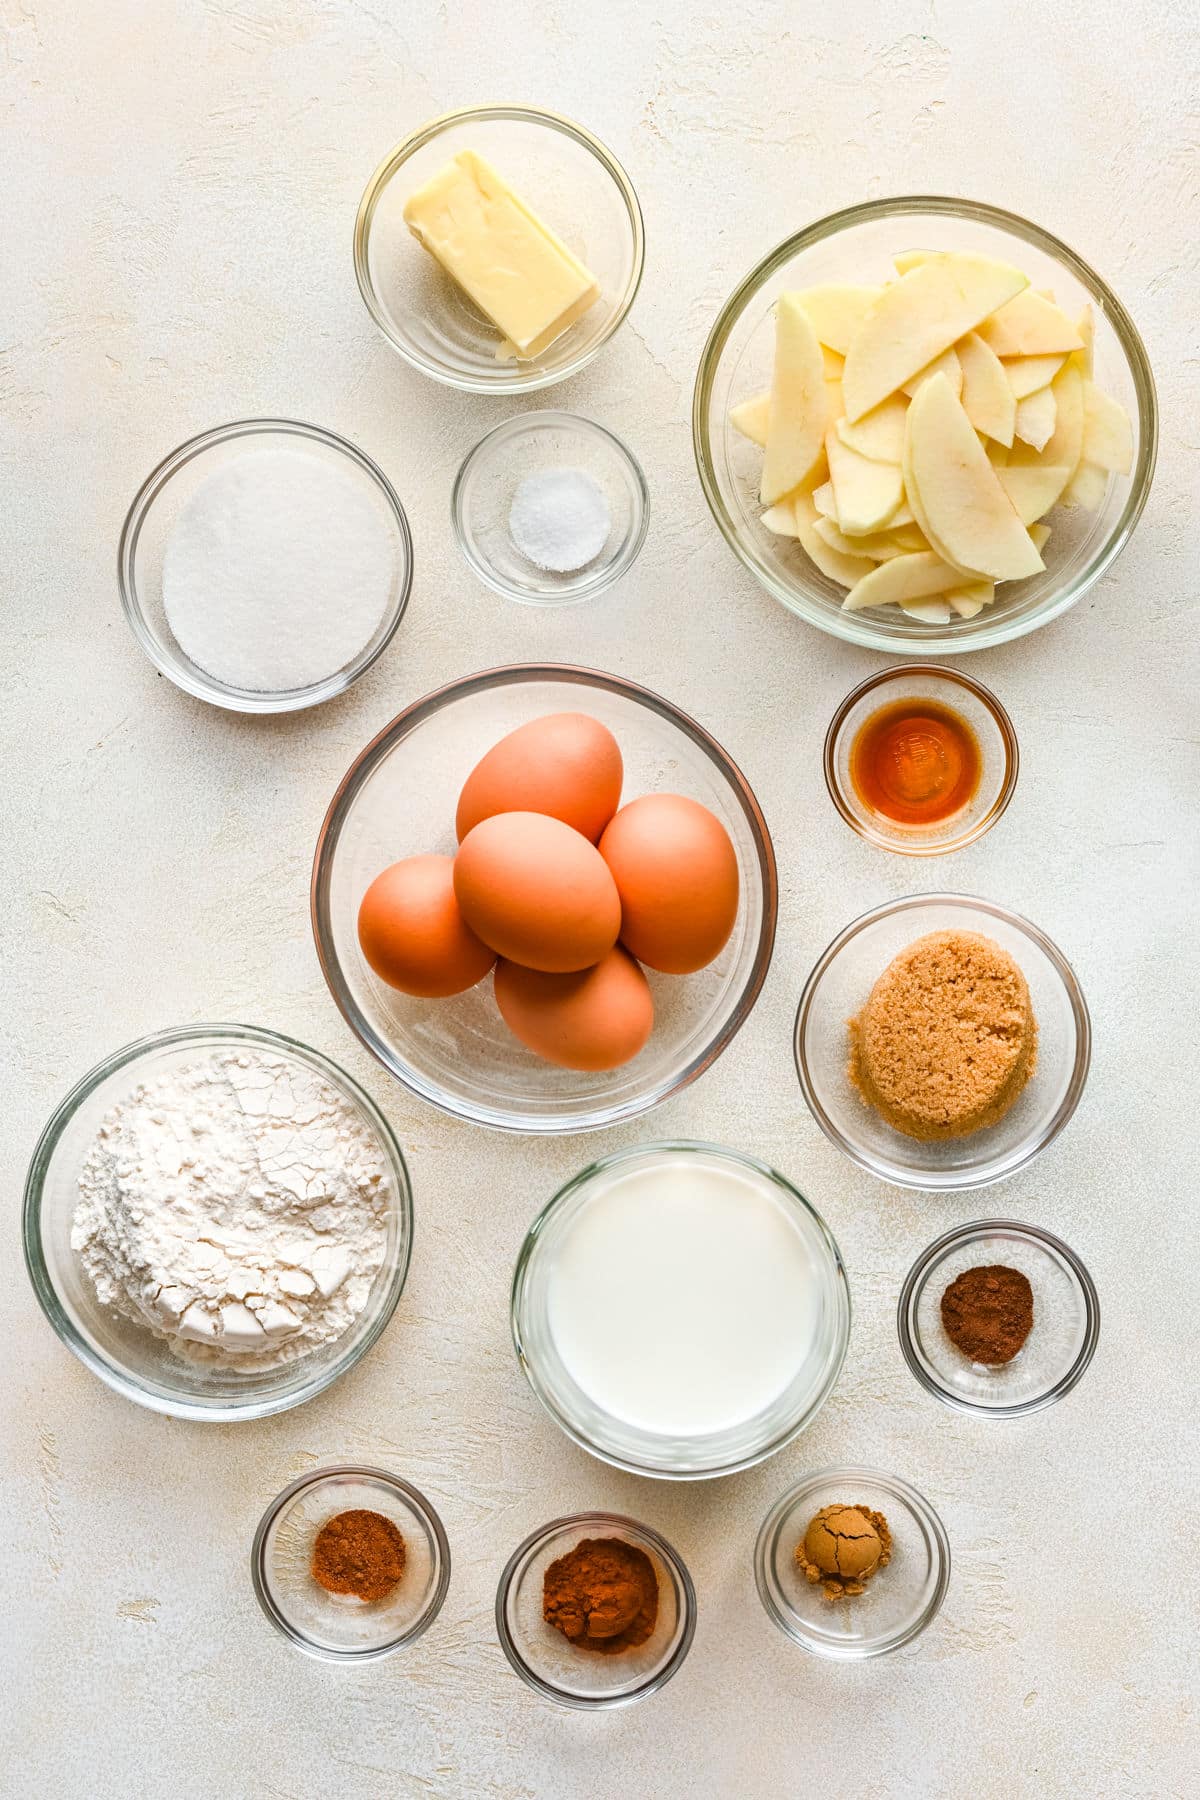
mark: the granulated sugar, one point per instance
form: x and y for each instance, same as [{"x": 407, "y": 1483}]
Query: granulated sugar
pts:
[{"x": 279, "y": 571}]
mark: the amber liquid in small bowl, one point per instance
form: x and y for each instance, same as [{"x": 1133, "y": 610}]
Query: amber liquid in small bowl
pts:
[{"x": 915, "y": 762}]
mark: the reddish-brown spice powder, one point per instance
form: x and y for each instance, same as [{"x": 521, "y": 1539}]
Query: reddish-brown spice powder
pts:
[
  {"x": 988, "y": 1312},
  {"x": 602, "y": 1595},
  {"x": 359, "y": 1552}
]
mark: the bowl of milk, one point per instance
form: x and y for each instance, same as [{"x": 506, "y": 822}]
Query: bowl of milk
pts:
[{"x": 680, "y": 1310}]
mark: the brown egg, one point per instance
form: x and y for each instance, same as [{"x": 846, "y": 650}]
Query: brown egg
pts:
[
  {"x": 537, "y": 892},
  {"x": 595, "y": 1019},
  {"x": 413, "y": 935},
  {"x": 677, "y": 874},
  {"x": 567, "y": 765}
]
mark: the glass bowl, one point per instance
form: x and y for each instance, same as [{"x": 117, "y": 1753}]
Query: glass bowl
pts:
[
  {"x": 838, "y": 987},
  {"x": 156, "y": 510},
  {"x": 131, "y": 1360},
  {"x": 491, "y": 475},
  {"x": 1066, "y": 1320},
  {"x": 551, "y": 1665},
  {"x": 900, "y": 1599},
  {"x": 567, "y": 176},
  {"x": 586, "y": 1418},
  {"x": 340, "y": 1627},
  {"x": 989, "y": 724},
  {"x": 399, "y": 797},
  {"x": 857, "y": 245}
]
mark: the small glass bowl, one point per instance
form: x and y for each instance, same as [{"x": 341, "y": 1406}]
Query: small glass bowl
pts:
[
  {"x": 838, "y": 987},
  {"x": 129, "y": 1359},
  {"x": 1066, "y": 1320},
  {"x": 551, "y": 1665},
  {"x": 490, "y": 476},
  {"x": 340, "y": 1627},
  {"x": 636, "y": 1448},
  {"x": 399, "y": 797},
  {"x": 567, "y": 176},
  {"x": 155, "y": 511},
  {"x": 989, "y": 724},
  {"x": 899, "y": 1601},
  {"x": 857, "y": 245}
]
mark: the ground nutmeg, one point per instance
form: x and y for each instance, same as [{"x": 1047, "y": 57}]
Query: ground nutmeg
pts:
[
  {"x": 602, "y": 1595},
  {"x": 359, "y": 1552},
  {"x": 988, "y": 1312}
]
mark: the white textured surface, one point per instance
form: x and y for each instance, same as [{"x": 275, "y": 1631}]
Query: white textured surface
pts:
[{"x": 180, "y": 184}]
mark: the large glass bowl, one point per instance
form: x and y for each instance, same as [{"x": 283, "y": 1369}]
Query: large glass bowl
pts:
[
  {"x": 130, "y": 1359},
  {"x": 569, "y": 178},
  {"x": 398, "y": 799},
  {"x": 857, "y": 246}
]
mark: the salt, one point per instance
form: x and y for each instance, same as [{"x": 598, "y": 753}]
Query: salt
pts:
[
  {"x": 279, "y": 571},
  {"x": 559, "y": 519}
]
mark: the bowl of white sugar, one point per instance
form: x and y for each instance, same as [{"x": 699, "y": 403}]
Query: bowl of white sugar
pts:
[
  {"x": 265, "y": 565},
  {"x": 218, "y": 1222}
]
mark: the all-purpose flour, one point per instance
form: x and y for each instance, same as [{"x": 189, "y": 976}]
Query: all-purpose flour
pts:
[
  {"x": 236, "y": 1207},
  {"x": 278, "y": 571}
]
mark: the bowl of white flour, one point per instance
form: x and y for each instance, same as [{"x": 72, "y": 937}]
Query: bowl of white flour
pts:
[
  {"x": 218, "y": 1222},
  {"x": 265, "y": 565}
]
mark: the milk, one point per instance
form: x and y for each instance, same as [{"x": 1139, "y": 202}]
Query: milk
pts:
[{"x": 683, "y": 1298}]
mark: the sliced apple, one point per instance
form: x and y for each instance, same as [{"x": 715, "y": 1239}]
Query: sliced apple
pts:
[
  {"x": 1029, "y": 325},
  {"x": 867, "y": 493},
  {"x": 834, "y": 364},
  {"x": 903, "y": 579},
  {"x": 836, "y": 408},
  {"x": 903, "y": 515},
  {"x": 1039, "y": 533},
  {"x": 1107, "y": 433},
  {"x": 751, "y": 418},
  {"x": 799, "y": 411},
  {"x": 879, "y": 434},
  {"x": 837, "y": 309},
  {"x": 880, "y": 546},
  {"x": 997, "y": 453},
  {"x": 919, "y": 316},
  {"x": 929, "y": 612},
  {"x": 1085, "y": 325},
  {"x": 912, "y": 259},
  {"x": 1035, "y": 419},
  {"x": 967, "y": 509},
  {"x": 847, "y": 571},
  {"x": 946, "y": 364},
  {"x": 781, "y": 518},
  {"x": 1032, "y": 479},
  {"x": 967, "y": 601},
  {"x": 824, "y": 501},
  {"x": 1026, "y": 374},
  {"x": 1087, "y": 487},
  {"x": 987, "y": 397}
]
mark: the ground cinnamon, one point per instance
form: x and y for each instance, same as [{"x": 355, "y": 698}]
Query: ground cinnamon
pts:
[
  {"x": 359, "y": 1552},
  {"x": 602, "y": 1595},
  {"x": 988, "y": 1312}
]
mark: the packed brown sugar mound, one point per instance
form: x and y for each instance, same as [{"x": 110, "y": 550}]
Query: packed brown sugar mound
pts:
[{"x": 947, "y": 1038}]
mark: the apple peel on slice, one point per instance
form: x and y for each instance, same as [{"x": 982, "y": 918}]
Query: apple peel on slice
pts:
[
  {"x": 962, "y": 498},
  {"x": 918, "y": 317},
  {"x": 799, "y": 409}
]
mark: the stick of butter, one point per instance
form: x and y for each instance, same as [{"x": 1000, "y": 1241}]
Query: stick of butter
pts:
[{"x": 511, "y": 264}]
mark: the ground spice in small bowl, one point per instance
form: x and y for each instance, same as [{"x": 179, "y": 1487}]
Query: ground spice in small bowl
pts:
[
  {"x": 602, "y": 1595},
  {"x": 359, "y": 1552},
  {"x": 988, "y": 1312},
  {"x": 842, "y": 1548}
]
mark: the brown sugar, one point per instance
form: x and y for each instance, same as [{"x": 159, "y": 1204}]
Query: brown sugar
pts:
[
  {"x": 602, "y": 1595},
  {"x": 947, "y": 1038},
  {"x": 842, "y": 1548}
]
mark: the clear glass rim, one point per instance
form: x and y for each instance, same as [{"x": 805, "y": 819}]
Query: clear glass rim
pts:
[
  {"x": 265, "y": 1596},
  {"x": 855, "y": 628},
  {"x": 364, "y": 766},
  {"x": 795, "y": 1198},
  {"x": 934, "y": 1180},
  {"x": 209, "y": 688},
  {"x": 769, "y": 1530},
  {"x": 882, "y": 679},
  {"x": 120, "y": 1380},
  {"x": 530, "y": 115},
  {"x": 594, "y": 1702},
  {"x": 914, "y": 1285},
  {"x": 587, "y": 587}
]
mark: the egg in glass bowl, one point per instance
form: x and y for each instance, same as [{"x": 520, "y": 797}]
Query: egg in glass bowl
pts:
[{"x": 401, "y": 800}]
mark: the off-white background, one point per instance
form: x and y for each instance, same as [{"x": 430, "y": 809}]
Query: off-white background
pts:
[{"x": 179, "y": 189}]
